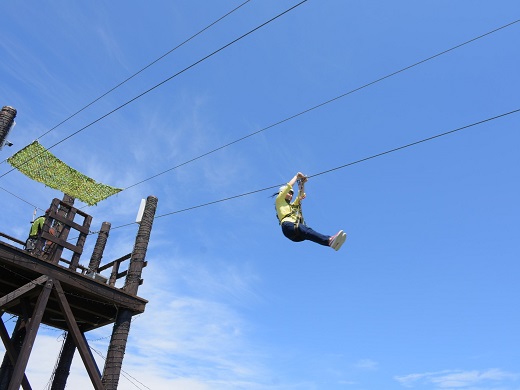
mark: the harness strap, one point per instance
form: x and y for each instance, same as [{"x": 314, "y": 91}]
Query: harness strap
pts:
[
  {"x": 299, "y": 212},
  {"x": 285, "y": 216}
]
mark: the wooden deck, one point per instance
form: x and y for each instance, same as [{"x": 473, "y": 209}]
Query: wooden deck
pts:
[{"x": 93, "y": 303}]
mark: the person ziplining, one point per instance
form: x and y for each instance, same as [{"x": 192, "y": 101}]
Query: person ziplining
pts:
[{"x": 291, "y": 220}]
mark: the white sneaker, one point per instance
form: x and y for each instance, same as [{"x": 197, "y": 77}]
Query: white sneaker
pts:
[
  {"x": 340, "y": 240},
  {"x": 334, "y": 239}
]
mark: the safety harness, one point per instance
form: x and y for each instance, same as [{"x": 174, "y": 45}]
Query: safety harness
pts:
[
  {"x": 301, "y": 193},
  {"x": 296, "y": 210}
]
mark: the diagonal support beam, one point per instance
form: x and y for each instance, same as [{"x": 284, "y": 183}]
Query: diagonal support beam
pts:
[
  {"x": 32, "y": 330},
  {"x": 12, "y": 354},
  {"x": 20, "y": 292},
  {"x": 79, "y": 339}
]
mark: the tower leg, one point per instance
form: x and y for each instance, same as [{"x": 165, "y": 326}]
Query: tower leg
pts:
[
  {"x": 63, "y": 368},
  {"x": 116, "y": 350},
  {"x": 32, "y": 330},
  {"x": 13, "y": 346}
]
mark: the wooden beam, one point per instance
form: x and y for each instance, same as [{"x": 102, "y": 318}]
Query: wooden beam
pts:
[
  {"x": 69, "y": 222},
  {"x": 17, "y": 294},
  {"x": 104, "y": 317},
  {"x": 120, "y": 260},
  {"x": 79, "y": 339},
  {"x": 11, "y": 353},
  {"x": 32, "y": 330},
  {"x": 61, "y": 242},
  {"x": 124, "y": 273},
  {"x": 13, "y": 239}
]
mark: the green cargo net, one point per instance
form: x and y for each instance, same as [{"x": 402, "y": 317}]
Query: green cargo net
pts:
[{"x": 39, "y": 164}]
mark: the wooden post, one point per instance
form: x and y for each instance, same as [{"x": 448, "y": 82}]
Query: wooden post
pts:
[
  {"x": 117, "y": 347},
  {"x": 116, "y": 350},
  {"x": 42, "y": 249},
  {"x": 97, "y": 253},
  {"x": 7, "y": 116},
  {"x": 62, "y": 231},
  {"x": 133, "y": 278}
]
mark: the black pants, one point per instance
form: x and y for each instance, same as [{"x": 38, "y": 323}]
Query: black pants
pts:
[{"x": 302, "y": 233}]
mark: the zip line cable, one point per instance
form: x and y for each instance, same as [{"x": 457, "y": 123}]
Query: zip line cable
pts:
[
  {"x": 333, "y": 169},
  {"x": 165, "y": 81},
  {"x": 128, "y": 377},
  {"x": 339, "y": 167},
  {"x": 417, "y": 142},
  {"x": 295, "y": 115},
  {"x": 143, "y": 69},
  {"x": 323, "y": 104},
  {"x": 140, "y": 71},
  {"x": 23, "y": 200}
]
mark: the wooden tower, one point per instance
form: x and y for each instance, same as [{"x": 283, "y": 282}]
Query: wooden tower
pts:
[{"x": 42, "y": 287}]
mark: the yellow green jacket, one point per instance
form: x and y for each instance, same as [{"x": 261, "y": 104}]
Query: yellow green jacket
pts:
[
  {"x": 285, "y": 211},
  {"x": 37, "y": 226}
]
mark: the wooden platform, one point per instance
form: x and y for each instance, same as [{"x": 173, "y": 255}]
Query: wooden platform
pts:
[{"x": 93, "y": 303}]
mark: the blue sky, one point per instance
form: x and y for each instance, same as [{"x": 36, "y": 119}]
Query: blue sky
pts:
[{"x": 424, "y": 293}]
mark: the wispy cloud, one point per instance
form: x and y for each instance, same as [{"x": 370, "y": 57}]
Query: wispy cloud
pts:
[
  {"x": 460, "y": 379},
  {"x": 191, "y": 334},
  {"x": 366, "y": 364}
]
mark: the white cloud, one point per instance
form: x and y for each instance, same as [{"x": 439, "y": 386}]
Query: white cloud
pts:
[
  {"x": 366, "y": 364},
  {"x": 191, "y": 335},
  {"x": 459, "y": 379}
]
